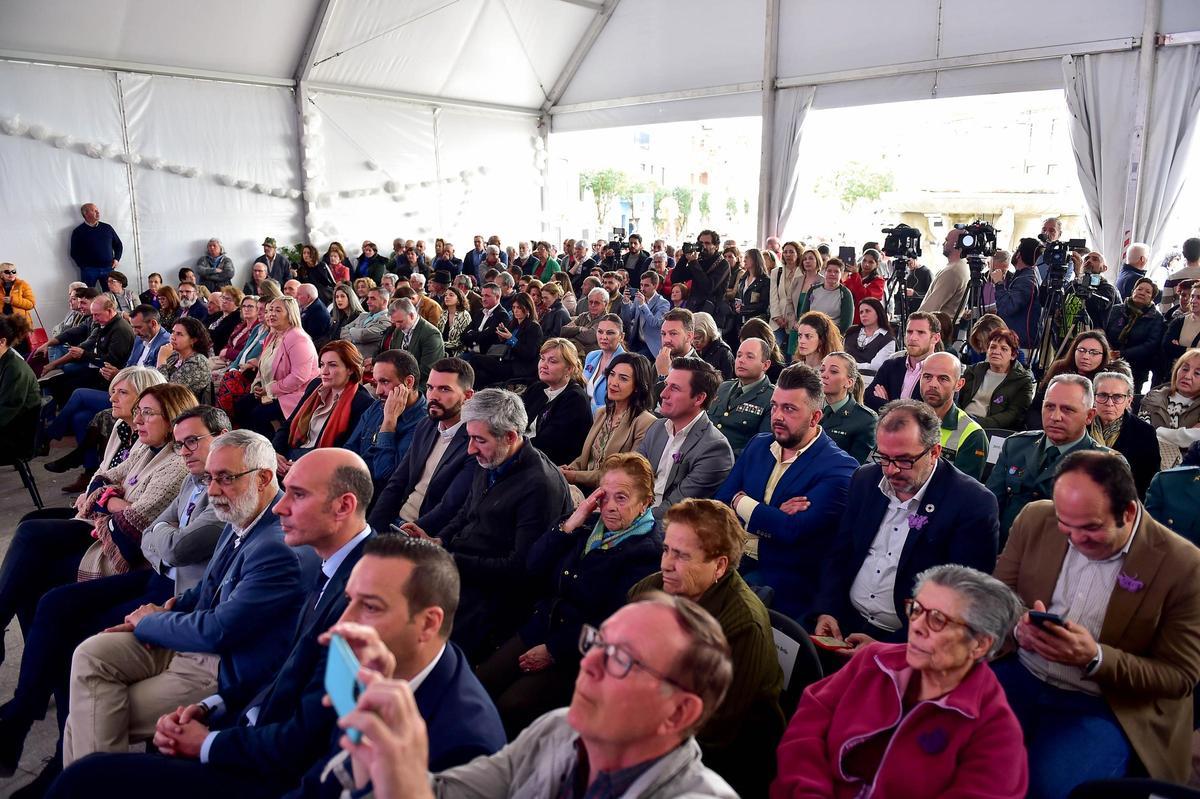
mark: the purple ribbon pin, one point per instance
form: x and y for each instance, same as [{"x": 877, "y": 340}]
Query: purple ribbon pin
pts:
[
  {"x": 676, "y": 457},
  {"x": 916, "y": 521},
  {"x": 1130, "y": 584},
  {"x": 998, "y": 400}
]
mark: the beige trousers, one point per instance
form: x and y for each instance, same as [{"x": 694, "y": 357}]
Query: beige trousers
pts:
[{"x": 119, "y": 689}]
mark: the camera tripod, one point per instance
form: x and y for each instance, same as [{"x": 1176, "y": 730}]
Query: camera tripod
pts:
[
  {"x": 973, "y": 297},
  {"x": 1052, "y": 300},
  {"x": 896, "y": 297}
]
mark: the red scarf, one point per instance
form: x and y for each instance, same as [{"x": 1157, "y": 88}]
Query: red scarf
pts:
[{"x": 337, "y": 424}]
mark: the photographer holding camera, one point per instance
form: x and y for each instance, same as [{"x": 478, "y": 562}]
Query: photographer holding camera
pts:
[
  {"x": 1099, "y": 296},
  {"x": 709, "y": 273},
  {"x": 1017, "y": 294}
]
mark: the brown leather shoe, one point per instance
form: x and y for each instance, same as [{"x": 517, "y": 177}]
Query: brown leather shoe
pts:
[{"x": 80, "y": 483}]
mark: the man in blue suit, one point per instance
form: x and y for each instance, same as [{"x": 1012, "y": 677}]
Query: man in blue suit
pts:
[
  {"x": 151, "y": 335},
  {"x": 233, "y": 629},
  {"x": 911, "y": 511},
  {"x": 789, "y": 489},
  {"x": 393, "y": 600},
  {"x": 314, "y": 316},
  {"x": 434, "y": 478},
  {"x": 649, "y": 308}
]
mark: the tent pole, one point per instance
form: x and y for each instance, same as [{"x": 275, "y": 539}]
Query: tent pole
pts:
[
  {"x": 133, "y": 213},
  {"x": 1147, "y": 60},
  {"x": 770, "y": 72},
  {"x": 301, "y": 92}
]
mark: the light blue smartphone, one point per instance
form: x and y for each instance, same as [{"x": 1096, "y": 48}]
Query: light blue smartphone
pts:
[{"x": 341, "y": 680}]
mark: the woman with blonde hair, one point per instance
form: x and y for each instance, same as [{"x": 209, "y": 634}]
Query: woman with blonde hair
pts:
[
  {"x": 557, "y": 405},
  {"x": 846, "y": 420},
  {"x": 786, "y": 291},
  {"x": 287, "y": 363}
]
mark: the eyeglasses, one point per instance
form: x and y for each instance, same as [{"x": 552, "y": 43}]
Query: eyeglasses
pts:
[
  {"x": 190, "y": 443},
  {"x": 1111, "y": 398},
  {"x": 10, "y": 271},
  {"x": 616, "y": 661},
  {"x": 145, "y": 414},
  {"x": 225, "y": 479},
  {"x": 1086, "y": 351},
  {"x": 900, "y": 463},
  {"x": 936, "y": 620}
]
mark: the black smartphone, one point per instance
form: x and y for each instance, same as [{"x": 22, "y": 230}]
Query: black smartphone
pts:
[
  {"x": 1041, "y": 618},
  {"x": 846, "y": 255}
]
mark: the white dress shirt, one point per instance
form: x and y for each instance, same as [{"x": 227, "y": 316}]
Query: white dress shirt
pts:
[{"x": 667, "y": 460}]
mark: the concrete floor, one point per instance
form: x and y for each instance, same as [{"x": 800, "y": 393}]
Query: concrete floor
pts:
[{"x": 15, "y": 503}]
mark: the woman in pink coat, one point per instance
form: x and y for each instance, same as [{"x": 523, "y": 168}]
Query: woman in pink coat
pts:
[
  {"x": 287, "y": 363},
  {"x": 923, "y": 719}
]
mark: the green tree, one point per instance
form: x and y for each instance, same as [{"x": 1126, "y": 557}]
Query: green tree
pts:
[
  {"x": 683, "y": 196},
  {"x": 659, "y": 193},
  {"x": 704, "y": 205},
  {"x": 746, "y": 206},
  {"x": 606, "y": 185},
  {"x": 857, "y": 181},
  {"x": 731, "y": 208}
]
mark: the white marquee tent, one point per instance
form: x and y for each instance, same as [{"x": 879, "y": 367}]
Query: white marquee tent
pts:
[{"x": 325, "y": 119}]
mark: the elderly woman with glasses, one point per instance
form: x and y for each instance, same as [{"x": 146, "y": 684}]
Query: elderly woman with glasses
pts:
[
  {"x": 1116, "y": 427},
  {"x": 923, "y": 718}
]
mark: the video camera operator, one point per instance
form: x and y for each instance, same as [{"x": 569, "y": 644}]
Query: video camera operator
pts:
[
  {"x": 709, "y": 273},
  {"x": 1017, "y": 294},
  {"x": 1051, "y": 232},
  {"x": 1099, "y": 296}
]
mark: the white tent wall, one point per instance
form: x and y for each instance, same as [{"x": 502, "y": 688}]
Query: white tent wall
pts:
[
  {"x": 419, "y": 188},
  {"x": 43, "y": 186},
  {"x": 223, "y": 129}
]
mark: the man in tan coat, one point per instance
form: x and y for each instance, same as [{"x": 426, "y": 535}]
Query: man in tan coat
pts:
[
  {"x": 1107, "y": 681},
  {"x": 949, "y": 286}
]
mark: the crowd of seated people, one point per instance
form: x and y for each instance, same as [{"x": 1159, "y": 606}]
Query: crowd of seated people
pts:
[{"x": 555, "y": 501}]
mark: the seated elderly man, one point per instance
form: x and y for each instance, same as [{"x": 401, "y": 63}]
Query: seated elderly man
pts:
[
  {"x": 1109, "y": 653},
  {"x": 958, "y": 736},
  {"x": 789, "y": 490},
  {"x": 1024, "y": 472},
  {"x": 177, "y": 545},
  {"x": 231, "y": 629},
  {"x": 689, "y": 455},
  {"x": 109, "y": 341},
  {"x": 913, "y": 510},
  {"x": 367, "y": 329},
  {"x": 650, "y": 677},
  {"x": 428, "y": 308},
  {"x": 582, "y": 329},
  {"x": 517, "y": 495},
  {"x": 417, "y": 336},
  {"x": 314, "y": 316}
]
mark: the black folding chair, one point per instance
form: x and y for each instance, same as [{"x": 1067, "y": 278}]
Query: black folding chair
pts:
[{"x": 797, "y": 657}]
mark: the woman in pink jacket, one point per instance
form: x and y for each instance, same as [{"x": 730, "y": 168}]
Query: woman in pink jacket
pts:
[
  {"x": 287, "y": 363},
  {"x": 923, "y": 719}
]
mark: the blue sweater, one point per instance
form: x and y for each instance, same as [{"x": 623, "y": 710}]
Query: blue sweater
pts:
[
  {"x": 383, "y": 451},
  {"x": 95, "y": 247}
]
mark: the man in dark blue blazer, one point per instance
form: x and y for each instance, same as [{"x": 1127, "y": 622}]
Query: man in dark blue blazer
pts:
[
  {"x": 390, "y": 632},
  {"x": 789, "y": 489},
  {"x": 899, "y": 377},
  {"x": 902, "y": 521},
  {"x": 434, "y": 478},
  {"x": 151, "y": 335},
  {"x": 234, "y": 628},
  {"x": 314, "y": 316}
]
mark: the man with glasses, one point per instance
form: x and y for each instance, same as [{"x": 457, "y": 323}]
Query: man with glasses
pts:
[
  {"x": 1103, "y": 685},
  {"x": 177, "y": 545},
  {"x": 912, "y": 511},
  {"x": 650, "y": 677},
  {"x": 234, "y": 628},
  {"x": 1118, "y": 428},
  {"x": 789, "y": 489},
  {"x": 1024, "y": 471}
]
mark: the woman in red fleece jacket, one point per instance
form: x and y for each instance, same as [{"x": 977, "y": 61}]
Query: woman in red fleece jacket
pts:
[{"x": 922, "y": 719}]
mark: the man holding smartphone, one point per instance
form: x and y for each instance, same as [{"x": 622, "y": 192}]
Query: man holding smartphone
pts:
[{"x": 1105, "y": 669}]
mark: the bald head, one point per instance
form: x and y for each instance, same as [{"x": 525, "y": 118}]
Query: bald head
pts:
[
  {"x": 291, "y": 287},
  {"x": 326, "y": 494},
  {"x": 944, "y": 361}
]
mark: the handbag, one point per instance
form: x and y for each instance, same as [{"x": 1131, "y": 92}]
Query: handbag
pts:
[{"x": 95, "y": 564}]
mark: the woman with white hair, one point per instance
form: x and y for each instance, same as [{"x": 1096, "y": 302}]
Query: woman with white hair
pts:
[
  {"x": 214, "y": 269},
  {"x": 713, "y": 350},
  {"x": 894, "y": 720}
]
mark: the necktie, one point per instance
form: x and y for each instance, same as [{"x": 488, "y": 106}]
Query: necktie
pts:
[
  {"x": 735, "y": 394},
  {"x": 1049, "y": 459},
  {"x": 407, "y": 339}
]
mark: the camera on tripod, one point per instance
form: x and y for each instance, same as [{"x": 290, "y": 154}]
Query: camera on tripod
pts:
[
  {"x": 902, "y": 241},
  {"x": 1057, "y": 258},
  {"x": 977, "y": 239}
]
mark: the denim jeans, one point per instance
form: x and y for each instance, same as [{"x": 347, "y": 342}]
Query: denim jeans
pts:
[
  {"x": 81, "y": 408},
  {"x": 1072, "y": 737}
]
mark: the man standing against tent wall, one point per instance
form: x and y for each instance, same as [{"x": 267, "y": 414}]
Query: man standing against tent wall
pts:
[{"x": 95, "y": 247}]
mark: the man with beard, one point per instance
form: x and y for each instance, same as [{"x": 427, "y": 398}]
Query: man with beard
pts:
[
  {"x": 710, "y": 277},
  {"x": 789, "y": 489},
  {"x": 234, "y": 628},
  {"x": 516, "y": 496},
  {"x": 963, "y": 441},
  {"x": 912, "y": 510},
  {"x": 434, "y": 478}
]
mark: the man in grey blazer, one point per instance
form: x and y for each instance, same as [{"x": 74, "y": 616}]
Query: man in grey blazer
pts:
[
  {"x": 421, "y": 339},
  {"x": 689, "y": 456},
  {"x": 366, "y": 331},
  {"x": 181, "y": 540}
]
